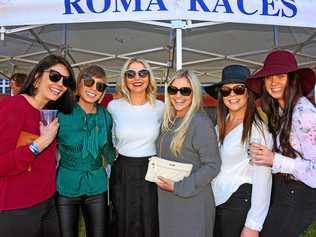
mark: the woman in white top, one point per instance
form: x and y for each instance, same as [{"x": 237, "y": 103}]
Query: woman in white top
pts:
[
  {"x": 242, "y": 190},
  {"x": 137, "y": 117}
]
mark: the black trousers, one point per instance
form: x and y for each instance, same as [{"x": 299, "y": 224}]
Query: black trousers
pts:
[
  {"x": 135, "y": 200},
  {"x": 37, "y": 221},
  {"x": 292, "y": 208},
  {"x": 94, "y": 213},
  {"x": 231, "y": 215}
]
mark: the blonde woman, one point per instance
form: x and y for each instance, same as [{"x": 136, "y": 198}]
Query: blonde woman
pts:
[
  {"x": 137, "y": 118},
  {"x": 187, "y": 208}
]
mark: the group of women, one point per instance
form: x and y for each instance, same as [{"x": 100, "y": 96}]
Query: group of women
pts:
[{"x": 253, "y": 174}]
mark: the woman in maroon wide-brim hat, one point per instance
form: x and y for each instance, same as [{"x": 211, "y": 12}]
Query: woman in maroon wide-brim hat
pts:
[{"x": 292, "y": 122}]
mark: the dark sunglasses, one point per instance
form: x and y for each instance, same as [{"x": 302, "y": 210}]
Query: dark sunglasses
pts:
[
  {"x": 185, "y": 91},
  {"x": 88, "y": 81},
  {"x": 55, "y": 76},
  {"x": 131, "y": 74},
  {"x": 238, "y": 90}
]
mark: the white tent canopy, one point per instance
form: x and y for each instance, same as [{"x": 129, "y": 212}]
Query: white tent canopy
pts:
[
  {"x": 204, "y": 43},
  {"x": 282, "y": 12}
]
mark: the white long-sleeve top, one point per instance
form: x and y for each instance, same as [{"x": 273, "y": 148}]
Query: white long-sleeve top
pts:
[
  {"x": 135, "y": 127},
  {"x": 237, "y": 169}
]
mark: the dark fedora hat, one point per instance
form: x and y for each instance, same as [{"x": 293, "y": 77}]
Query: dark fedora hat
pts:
[
  {"x": 280, "y": 62},
  {"x": 230, "y": 74}
]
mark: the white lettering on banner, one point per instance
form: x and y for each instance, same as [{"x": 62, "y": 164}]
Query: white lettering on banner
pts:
[{"x": 273, "y": 12}]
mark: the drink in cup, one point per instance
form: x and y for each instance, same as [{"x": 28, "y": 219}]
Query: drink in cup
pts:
[{"x": 48, "y": 115}]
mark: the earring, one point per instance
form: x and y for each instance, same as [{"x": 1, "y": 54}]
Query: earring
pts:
[{"x": 36, "y": 84}]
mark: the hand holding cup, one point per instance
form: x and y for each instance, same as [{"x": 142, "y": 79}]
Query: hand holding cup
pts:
[{"x": 48, "y": 128}]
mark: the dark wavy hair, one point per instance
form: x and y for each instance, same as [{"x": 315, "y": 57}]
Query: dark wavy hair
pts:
[
  {"x": 251, "y": 117},
  {"x": 281, "y": 123},
  {"x": 66, "y": 102}
]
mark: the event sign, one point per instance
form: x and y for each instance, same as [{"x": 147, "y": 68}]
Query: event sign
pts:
[{"x": 274, "y": 12}]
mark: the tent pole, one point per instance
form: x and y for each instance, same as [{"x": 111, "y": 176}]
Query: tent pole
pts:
[
  {"x": 38, "y": 39},
  {"x": 179, "y": 26},
  {"x": 179, "y": 48},
  {"x": 64, "y": 41},
  {"x": 2, "y": 31},
  {"x": 276, "y": 37}
]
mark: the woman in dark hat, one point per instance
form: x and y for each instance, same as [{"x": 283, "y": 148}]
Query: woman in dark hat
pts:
[
  {"x": 292, "y": 122},
  {"x": 242, "y": 190}
]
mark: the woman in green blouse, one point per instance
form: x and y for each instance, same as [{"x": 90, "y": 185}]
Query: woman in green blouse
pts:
[{"x": 84, "y": 141}]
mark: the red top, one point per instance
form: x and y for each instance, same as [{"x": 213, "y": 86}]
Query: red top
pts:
[
  {"x": 106, "y": 99},
  {"x": 24, "y": 180}
]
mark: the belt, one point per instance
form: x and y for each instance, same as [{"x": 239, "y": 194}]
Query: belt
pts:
[{"x": 286, "y": 177}]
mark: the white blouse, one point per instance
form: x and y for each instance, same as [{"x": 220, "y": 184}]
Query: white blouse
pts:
[
  {"x": 237, "y": 169},
  {"x": 135, "y": 127}
]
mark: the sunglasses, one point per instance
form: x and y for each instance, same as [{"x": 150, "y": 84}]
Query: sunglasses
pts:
[
  {"x": 55, "y": 76},
  {"x": 185, "y": 91},
  {"x": 131, "y": 74},
  {"x": 238, "y": 90},
  {"x": 88, "y": 81}
]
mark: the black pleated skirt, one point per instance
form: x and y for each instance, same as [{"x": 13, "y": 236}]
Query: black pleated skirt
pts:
[{"x": 134, "y": 199}]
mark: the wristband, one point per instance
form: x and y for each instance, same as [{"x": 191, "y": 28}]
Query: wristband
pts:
[{"x": 34, "y": 148}]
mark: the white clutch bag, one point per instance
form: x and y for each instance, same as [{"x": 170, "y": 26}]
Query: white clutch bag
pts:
[{"x": 172, "y": 170}]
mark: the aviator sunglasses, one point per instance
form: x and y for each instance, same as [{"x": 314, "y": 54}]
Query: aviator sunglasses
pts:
[
  {"x": 185, "y": 91},
  {"x": 55, "y": 76},
  {"x": 131, "y": 74},
  {"x": 88, "y": 81},
  {"x": 238, "y": 90}
]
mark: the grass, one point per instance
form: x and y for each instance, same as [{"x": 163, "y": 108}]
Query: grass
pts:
[
  {"x": 81, "y": 228},
  {"x": 311, "y": 231}
]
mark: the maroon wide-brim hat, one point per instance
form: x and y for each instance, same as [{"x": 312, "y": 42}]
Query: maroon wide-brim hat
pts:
[{"x": 279, "y": 62}]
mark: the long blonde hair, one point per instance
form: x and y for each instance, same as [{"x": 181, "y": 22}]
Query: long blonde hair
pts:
[
  {"x": 169, "y": 114},
  {"x": 151, "y": 90}
]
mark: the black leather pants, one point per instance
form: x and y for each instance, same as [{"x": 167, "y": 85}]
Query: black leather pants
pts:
[{"x": 94, "y": 213}]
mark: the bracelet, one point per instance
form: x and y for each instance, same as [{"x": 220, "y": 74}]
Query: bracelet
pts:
[{"x": 34, "y": 148}]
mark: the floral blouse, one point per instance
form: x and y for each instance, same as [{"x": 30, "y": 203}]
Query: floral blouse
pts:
[{"x": 303, "y": 139}]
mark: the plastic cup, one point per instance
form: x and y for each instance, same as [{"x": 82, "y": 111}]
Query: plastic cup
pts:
[{"x": 48, "y": 115}]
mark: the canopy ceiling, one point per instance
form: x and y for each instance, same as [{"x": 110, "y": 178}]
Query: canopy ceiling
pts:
[{"x": 206, "y": 49}]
